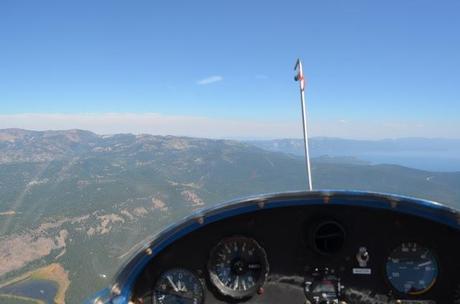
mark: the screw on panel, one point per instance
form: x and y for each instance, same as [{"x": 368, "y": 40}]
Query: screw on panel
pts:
[
  {"x": 98, "y": 301},
  {"x": 116, "y": 290},
  {"x": 200, "y": 220},
  {"x": 261, "y": 204},
  {"x": 148, "y": 251},
  {"x": 393, "y": 203}
]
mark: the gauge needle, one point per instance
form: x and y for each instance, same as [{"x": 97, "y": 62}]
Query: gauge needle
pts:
[
  {"x": 181, "y": 287},
  {"x": 424, "y": 264},
  {"x": 236, "y": 284},
  {"x": 172, "y": 284}
]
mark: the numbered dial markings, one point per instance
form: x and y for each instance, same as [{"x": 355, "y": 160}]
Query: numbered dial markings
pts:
[
  {"x": 178, "y": 286},
  {"x": 412, "y": 269},
  {"x": 238, "y": 267}
]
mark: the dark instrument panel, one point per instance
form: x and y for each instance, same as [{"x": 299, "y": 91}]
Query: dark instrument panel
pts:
[{"x": 335, "y": 249}]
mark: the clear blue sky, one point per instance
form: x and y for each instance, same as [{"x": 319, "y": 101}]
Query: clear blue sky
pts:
[{"x": 384, "y": 60}]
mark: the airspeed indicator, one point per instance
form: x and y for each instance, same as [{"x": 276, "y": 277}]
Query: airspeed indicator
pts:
[{"x": 412, "y": 269}]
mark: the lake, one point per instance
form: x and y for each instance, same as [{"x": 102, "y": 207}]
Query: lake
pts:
[{"x": 43, "y": 290}]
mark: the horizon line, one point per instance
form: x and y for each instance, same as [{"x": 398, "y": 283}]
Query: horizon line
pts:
[{"x": 237, "y": 138}]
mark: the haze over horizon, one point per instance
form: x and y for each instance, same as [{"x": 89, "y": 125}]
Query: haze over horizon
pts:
[
  {"x": 234, "y": 128},
  {"x": 237, "y": 138}
]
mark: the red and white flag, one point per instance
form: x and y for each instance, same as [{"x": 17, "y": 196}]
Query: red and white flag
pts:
[{"x": 300, "y": 76}]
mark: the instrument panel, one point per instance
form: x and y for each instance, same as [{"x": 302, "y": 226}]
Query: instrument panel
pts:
[
  {"x": 307, "y": 254},
  {"x": 305, "y": 247}
]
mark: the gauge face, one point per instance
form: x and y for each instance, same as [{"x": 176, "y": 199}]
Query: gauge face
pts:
[
  {"x": 412, "y": 269},
  {"x": 238, "y": 267},
  {"x": 178, "y": 286}
]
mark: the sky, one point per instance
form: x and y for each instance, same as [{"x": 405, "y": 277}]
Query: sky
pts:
[{"x": 374, "y": 69}]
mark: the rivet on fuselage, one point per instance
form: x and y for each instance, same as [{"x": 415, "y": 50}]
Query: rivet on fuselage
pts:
[{"x": 148, "y": 251}]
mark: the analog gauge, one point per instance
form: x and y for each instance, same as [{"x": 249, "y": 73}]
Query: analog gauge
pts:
[
  {"x": 412, "y": 269},
  {"x": 238, "y": 267},
  {"x": 178, "y": 286}
]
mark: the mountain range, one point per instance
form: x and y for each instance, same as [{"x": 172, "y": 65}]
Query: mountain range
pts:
[{"x": 80, "y": 201}]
